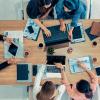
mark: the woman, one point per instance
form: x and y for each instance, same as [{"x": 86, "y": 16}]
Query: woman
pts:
[
  {"x": 48, "y": 90},
  {"x": 82, "y": 90},
  {"x": 41, "y": 9},
  {"x": 70, "y": 9}
]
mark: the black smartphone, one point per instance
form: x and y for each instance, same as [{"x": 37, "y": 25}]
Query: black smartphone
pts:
[
  {"x": 13, "y": 49},
  {"x": 34, "y": 70},
  {"x": 30, "y": 28},
  {"x": 4, "y": 65}
]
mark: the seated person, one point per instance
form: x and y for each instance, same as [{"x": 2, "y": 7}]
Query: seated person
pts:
[
  {"x": 83, "y": 89},
  {"x": 3, "y": 38},
  {"x": 48, "y": 90},
  {"x": 40, "y": 9},
  {"x": 70, "y": 9}
]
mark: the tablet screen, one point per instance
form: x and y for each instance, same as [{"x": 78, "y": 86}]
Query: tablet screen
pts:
[
  {"x": 98, "y": 71},
  {"x": 77, "y": 32},
  {"x": 13, "y": 49}
]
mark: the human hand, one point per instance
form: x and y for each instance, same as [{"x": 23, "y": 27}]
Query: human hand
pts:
[
  {"x": 12, "y": 61},
  {"x": 47, "y": 32},
  {"x": 63, "y": 27},
  {"x": 70, "y": 33},
  {"x": 59, "y": 65},
  {"x": 81, "y": 64},
  {"x": 9, "y": 40}
]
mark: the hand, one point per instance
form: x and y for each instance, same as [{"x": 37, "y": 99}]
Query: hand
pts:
[
  {"x": 9, "y": 40},
  {"x": 63, "y": 27},
  {"x": 12, "y": 61},
  {"x": 81, "y": 64},
  {"x": 70, "y": 33},
  {"x": 47, "y": 32},
  {"x": 59, "y": 65}
]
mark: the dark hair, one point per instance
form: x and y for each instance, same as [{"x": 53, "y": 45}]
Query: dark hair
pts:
[
  {"x": 47, "y": 91},
  {"x": 83, "y": 86}
]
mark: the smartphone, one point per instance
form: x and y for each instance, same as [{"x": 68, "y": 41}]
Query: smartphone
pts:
[
  {"x": 98, "y": 71},
  {"x": 35, "y": 70},
  {"x": 30, "y": 28}
]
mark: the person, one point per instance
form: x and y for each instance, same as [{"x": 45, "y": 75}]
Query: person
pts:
[
  {"x": 70, "y": 9},
  {"x": 41, "y": 9},
  {"x": 48, "y": 90},
  {"x": 83, "y": 89},
  {"x": 3, "y": 38}
]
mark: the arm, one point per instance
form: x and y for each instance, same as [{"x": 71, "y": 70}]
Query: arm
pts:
[
  {"x": 38, "y": 22},
  {"x": 65, "y": 80},
  {"x": 93, "y": 78}
]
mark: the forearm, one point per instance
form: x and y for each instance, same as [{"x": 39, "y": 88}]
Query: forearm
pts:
[
  {"x": 64, "y": 77},
  {"x": 38, "y": 22}
]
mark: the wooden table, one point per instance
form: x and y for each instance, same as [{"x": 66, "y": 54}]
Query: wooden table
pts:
[{"x": 38, "y": 56}]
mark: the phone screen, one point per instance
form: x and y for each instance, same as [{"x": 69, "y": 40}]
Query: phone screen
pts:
[{"x": 30, "y": 28}]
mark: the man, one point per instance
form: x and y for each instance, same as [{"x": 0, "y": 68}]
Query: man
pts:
[
  {"x": 70, "y": 9},
  {"x": 41, "y": 9}
]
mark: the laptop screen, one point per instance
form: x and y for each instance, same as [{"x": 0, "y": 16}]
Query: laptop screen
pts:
[{"x": 56, "y": 59}]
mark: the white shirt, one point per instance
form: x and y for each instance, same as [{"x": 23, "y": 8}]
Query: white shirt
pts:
[{"x": 37, "y": 87}]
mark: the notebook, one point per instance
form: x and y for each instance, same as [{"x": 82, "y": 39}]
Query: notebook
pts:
[
  {"x": 95, "y": 29},
  {"x": 31, "y": 30},
  {"x": 24, "y": 72},
  {"x": 74, "y": 68},
  {"x": 57, "y": 36},
  {"x": 78, "y": 34},
  {"x": 97, "y": 71}
]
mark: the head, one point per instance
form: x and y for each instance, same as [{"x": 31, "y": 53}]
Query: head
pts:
[
  {"x": 69, "y": 5},
  {"x": 48, "y": 91},
  {"x": 83, "y": 86},
  {"x": 47, "y": 3}
]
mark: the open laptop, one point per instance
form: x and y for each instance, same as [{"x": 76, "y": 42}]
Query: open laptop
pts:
[
  {"x": 51, "y": 70},
  {"x": 24, "y": 72}
]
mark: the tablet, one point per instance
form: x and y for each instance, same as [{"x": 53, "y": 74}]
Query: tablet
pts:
[
  {"x": 98, "y": 71},
  {"x": 13, "y": 49},
  {"x": 24, "y": 72},
  {"x": 78, "y": 35}
]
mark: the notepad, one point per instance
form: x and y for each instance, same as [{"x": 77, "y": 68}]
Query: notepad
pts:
[
  {"x": 31, "y": 30},
  {"x": 74, "y": 68}
]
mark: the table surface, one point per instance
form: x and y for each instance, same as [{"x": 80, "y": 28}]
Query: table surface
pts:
[{"x": 38, "y": 56}]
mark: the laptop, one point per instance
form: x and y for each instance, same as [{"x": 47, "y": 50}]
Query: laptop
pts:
[
  {"x": 51, "y": 70},
  {"x": 24, "y": 72},
  {"x": 13, "y": 49},
  {"x": 57, "y": 36},
  {"x": 78, "y": 34}
]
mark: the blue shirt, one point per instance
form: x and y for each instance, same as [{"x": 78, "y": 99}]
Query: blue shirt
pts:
[{"x": 75, "y": 15}]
